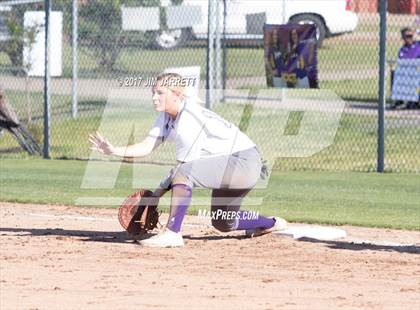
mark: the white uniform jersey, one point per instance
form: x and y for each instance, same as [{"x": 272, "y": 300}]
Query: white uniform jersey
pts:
[{"x": 199, "y": 133}]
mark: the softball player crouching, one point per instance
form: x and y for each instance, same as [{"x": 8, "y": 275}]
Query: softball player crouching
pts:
[{"x": 211, "y": 153}]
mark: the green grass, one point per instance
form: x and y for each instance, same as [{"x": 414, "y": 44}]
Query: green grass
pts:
[
  {"x": 143, "y": 62},
  {"x": 374, "y": 27},
  {"x": 367, "y": 89},
  {"x": 365, "y": 199},
  {"x": 353, "y": 148}
]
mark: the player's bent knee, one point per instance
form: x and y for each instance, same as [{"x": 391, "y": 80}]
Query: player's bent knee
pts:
[{"x": 180, "y": 178}]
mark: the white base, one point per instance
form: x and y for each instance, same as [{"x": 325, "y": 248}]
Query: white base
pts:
[{"x": 314, "y": 232}]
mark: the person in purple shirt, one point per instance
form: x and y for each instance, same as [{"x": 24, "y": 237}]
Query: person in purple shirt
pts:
[{"x": 409, "y": 50}]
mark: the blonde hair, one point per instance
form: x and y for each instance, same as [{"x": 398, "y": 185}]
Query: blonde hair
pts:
[
  {"x": 172, "y": 81},
  {"x": 178, "y": 84}
]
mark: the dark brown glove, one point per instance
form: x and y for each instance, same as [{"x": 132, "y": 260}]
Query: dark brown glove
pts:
[{"x": 139, "y": 214}]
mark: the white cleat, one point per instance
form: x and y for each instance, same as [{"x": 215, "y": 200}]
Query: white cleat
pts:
[
  {"x": 279, "y": 225},
  {"x": 166, "y": 239}
]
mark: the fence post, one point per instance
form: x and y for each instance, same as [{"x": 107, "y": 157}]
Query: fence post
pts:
[
  {"x": 74, "y": 60},
  {"x": 224, "y": 46},
  {"x": 218, "y": 55},
  {"x": 381, "y": 103},
  {"x": 47, "y": 96},
  {"x": 210, "y": 54}
]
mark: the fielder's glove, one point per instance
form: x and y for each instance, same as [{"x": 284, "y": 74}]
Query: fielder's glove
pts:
[{"x": 138, "y": 214}]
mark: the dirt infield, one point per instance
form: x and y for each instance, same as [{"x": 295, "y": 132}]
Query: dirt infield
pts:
[{"x": 57, "y": 257}]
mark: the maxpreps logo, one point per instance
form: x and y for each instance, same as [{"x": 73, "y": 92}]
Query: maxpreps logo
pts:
[{"x": 228, "y": 215}]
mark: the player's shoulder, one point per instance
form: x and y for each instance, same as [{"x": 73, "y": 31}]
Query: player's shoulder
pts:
[
  {"x": 191, "y": 115},
  {"x": 193, "y": 108}
]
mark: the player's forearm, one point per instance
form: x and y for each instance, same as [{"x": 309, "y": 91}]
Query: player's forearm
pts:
[{"x": 136, "y": 150}]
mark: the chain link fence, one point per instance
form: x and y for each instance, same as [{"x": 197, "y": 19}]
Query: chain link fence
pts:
[{"x": 123, "y": 44}]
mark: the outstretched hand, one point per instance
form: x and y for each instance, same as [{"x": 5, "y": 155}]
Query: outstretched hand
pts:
[{"x": 100, "y": 144}]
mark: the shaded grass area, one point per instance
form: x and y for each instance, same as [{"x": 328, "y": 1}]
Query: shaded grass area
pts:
[{"x": 365, "y": 199}]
